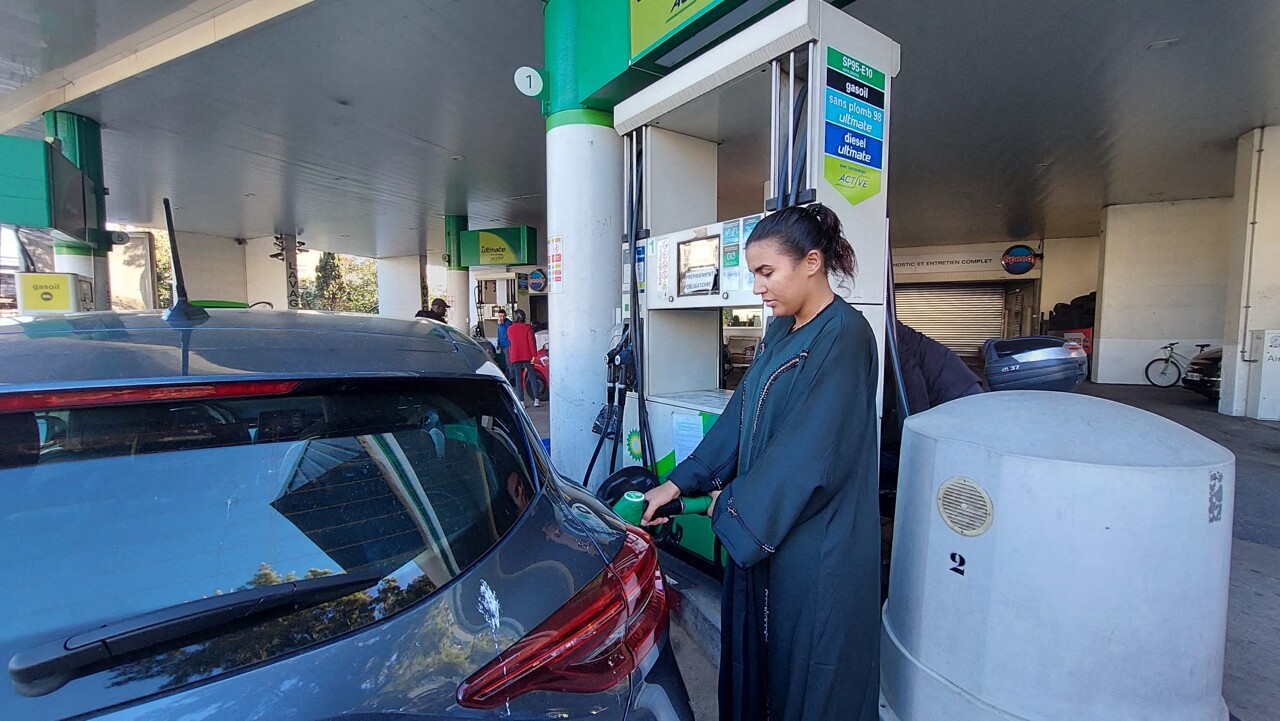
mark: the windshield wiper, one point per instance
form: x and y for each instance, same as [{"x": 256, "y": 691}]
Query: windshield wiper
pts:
[{"x": 45, "y": 668}]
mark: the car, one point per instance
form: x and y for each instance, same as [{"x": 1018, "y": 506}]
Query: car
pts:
[
  {"x": 1204, "y": 374},
  {"x": 308, "y": 516},
  {"x": 542, "y": 372}
]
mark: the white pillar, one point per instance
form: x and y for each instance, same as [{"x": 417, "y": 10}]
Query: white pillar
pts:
[
  {"x": 265, "y": 277},
  {"x": 101, "y": 281},
  {"x": 400, "y": 286},
  {"x": 460, "y": 300},
  {"x": 1253, "y": 263},
  {"x": 584, "y": 208}
]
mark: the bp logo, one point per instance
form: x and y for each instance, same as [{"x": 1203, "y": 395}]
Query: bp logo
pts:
[
  {"x": 1018, "y": 259},
  {"x": 633, "y": 446}
]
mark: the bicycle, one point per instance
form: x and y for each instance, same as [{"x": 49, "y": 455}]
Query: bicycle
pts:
[{"x": 1167, "y": 371}]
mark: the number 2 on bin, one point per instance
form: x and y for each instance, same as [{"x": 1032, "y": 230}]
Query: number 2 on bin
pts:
[{"x": 958, "y": 562}]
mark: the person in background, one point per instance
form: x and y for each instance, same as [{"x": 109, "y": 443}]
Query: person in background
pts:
[
  {"x": 521, "y": 347},
  {"x": 932, "y": 373},
  {"x": 504, "y": 341},
  {"x": 439, "y": 309}
]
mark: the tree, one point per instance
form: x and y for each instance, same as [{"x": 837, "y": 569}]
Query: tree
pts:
[
  {"x": 331, "y": 282},
  {"x": 342, "y": 283},
  {"x": 164, "y": 269}
]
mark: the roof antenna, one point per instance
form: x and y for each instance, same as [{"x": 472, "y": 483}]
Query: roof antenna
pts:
[{"x": 182, "y": 312}]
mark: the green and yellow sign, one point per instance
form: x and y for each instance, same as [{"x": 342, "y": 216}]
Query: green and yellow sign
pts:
[
  {"x": 46, "y": 292},
  {"x": 500, "y": 246},
  {"x": 653, "y": 21}
]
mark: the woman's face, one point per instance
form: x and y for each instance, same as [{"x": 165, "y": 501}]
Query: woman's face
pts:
[{"x": 783, "y": 282}]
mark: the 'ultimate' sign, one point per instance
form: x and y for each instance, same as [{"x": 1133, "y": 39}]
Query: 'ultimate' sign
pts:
[{"x": 855, "y": 120}]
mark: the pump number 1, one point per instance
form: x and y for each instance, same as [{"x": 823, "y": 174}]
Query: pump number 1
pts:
[{"x": 529, "y": 81}]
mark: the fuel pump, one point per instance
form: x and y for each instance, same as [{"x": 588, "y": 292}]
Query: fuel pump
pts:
[{"x": 793, "y": 111}]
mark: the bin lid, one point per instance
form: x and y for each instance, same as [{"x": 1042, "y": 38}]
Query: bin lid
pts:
[{"x": 1067, "y": 427}]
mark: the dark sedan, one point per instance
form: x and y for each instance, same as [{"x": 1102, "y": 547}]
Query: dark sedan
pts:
[
  {"x": 1204, "y": 374},
  {"x": 306, "y": 516}
]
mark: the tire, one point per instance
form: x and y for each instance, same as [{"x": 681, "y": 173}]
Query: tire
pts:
[
  {"x": 540, "y": 389},
  {"x": 1163, "y": 373}
]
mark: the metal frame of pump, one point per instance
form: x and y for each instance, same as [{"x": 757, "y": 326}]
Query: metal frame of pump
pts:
[{"x": 789, "y": 144}]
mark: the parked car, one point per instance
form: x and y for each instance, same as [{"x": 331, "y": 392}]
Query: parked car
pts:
[
  {"x": 305, "y": 516},
  {"x": 1204, "y": 374},
  {"x": 1034, "y": 363},
  {"x": 542, "y": 372}
]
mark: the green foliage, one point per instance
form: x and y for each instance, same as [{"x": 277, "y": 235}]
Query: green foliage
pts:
[
  {"x": 164, "y": 269},
  {"x": 342, "y": 283}
]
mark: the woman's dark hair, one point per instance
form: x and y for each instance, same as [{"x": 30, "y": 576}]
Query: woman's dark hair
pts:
[{"x": 800, "y": 229}]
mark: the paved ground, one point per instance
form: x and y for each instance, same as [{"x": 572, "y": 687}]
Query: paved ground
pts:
[{"x": 1252, "y": 681}]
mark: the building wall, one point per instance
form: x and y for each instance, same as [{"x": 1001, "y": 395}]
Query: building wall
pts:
[
  {"x": 265, "y": 276},
  {"x": 214, "y": 267},
  {"x": 1163, "y": 277},
  {"x": 1070, "y": 270}
]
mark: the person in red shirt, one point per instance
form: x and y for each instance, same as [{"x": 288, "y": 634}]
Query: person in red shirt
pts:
[{"x": 520, "y": 356}]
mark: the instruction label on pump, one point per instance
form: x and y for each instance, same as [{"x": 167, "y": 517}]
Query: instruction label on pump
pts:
[{"x": 855, "y": 127}]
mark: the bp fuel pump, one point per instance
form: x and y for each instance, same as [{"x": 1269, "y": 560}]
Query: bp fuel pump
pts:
[{"x": 793, "y": 110}]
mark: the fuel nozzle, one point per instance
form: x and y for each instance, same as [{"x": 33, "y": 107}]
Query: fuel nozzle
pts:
[{"x": 631, "y": 507}]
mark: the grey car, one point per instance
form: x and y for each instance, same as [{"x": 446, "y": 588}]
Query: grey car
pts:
[{"x": 279, "y": 515}]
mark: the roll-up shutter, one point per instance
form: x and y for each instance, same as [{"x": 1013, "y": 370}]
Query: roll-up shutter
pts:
[{"x": 960, "y": 316}]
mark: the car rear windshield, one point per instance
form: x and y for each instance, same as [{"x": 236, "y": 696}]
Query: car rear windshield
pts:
[{"x": 115, "y": 510}]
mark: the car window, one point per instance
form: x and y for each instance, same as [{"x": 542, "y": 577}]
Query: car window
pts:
[{"x": 111, "y": 511}]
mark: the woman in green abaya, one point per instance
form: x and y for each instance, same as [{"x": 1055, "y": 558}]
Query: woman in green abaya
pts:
[{"x": 792, "y": 465}]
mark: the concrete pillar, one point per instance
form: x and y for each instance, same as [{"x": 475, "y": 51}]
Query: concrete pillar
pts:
[
  {"x": 1253, "y": 261},
  {"x": 1162, "y": 276},
  {"x": 459, "y": 279},
  {"x": 584, "y": 210},
  {"x": 266, "y": 277},
  {"x": 401, "y": 287}
]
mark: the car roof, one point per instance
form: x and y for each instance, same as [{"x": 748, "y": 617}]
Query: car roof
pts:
[{"x": 110, "y": 348}]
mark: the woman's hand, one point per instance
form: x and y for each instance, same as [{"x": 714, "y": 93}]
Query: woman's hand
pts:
[
  {"x": 715, "y": 496},
  {"x": 655, "y": 499}
]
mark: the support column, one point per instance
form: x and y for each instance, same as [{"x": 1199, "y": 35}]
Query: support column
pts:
[
  {"x": 459, "y": 285},
  {"x": 80, "y": 141},
  {"x": 584, "y": 209},
  {"x": 402, "y": 287},
  {"x": 1253, "y": 263}
]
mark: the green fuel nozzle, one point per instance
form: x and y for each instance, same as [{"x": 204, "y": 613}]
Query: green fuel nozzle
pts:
[{"x": 631, "y": 507}]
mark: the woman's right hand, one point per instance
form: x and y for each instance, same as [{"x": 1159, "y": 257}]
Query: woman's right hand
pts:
[{"x": 655, "y": 499}]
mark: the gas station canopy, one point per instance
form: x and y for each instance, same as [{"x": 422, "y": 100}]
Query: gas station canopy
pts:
[{"x": 359, "y": 125}]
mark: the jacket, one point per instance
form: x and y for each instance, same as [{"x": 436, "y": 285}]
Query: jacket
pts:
[{"x": 523, "y": 343}]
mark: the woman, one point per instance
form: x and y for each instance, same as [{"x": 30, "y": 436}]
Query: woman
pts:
[
  {"x": 522, "y": 347},
  {"x": 792, "y": 468}
]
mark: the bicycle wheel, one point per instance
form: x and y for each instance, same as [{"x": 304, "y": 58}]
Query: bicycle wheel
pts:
[{"x": 1163, "y": 373}]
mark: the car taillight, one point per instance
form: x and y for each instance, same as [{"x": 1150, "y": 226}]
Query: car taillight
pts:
[
  {"x": 48, "y": 400},
  {"x": 591, "y": 643}
]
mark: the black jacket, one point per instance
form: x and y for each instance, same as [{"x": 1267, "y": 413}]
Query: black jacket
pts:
[{"x": 933, "y": 373}]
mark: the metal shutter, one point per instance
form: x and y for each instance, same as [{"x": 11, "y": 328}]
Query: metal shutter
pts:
[{"x": 960, "y": 316}]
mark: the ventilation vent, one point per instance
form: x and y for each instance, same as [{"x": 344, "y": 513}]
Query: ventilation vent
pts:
[{"x": 965, "y": 506}]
